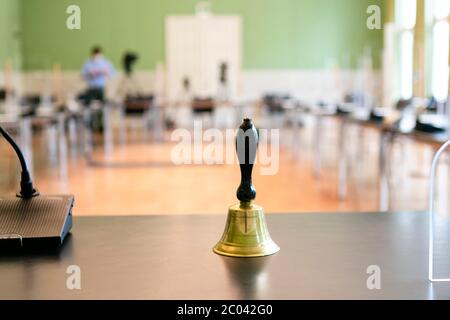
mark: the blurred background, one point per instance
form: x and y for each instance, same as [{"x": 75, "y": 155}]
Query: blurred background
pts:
[{"x": 94, "y": 90}]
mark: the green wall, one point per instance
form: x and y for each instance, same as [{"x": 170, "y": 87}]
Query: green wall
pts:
[
  {"x": 277, "y": 34},
  {"x": 10, "y": 32}
]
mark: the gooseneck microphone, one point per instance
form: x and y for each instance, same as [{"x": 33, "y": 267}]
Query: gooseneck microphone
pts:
[
  {"x": 27, "y": 190},
  {"x": 29, "y": 220}
]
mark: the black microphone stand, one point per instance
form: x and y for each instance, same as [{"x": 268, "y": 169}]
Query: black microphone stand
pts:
[{"x": 27, "y": 191}]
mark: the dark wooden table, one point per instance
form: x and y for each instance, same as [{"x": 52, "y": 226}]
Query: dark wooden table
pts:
[
  {"x": 435, "y": 140},
  {"x": 323, "y": 256}
]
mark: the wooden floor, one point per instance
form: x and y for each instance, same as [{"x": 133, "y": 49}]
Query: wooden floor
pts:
[{"x": 122, "y": 188}]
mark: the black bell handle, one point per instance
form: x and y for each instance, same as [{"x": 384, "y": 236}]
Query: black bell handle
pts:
[{"x": 246, "y": 147}]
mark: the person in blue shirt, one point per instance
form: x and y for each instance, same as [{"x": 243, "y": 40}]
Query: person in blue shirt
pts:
[{"x": 96, "y": 71}]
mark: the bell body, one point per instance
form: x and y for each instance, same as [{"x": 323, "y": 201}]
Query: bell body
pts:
[{"x": 246, "y": 233}]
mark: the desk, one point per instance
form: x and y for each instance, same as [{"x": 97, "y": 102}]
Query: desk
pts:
[
  {"x": 344, "y": 121},
  {"x": 318, "y": 138},
  {"x": 386, "y": 140},
  {"x": 435, "y": 140},
  {"x": 343, "y": 152},
  {"x": 55, "y": 126},
  {"x": 323, "y": 256}
]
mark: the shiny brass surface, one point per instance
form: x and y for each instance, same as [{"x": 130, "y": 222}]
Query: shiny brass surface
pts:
[{"x": 246, "y": 233}]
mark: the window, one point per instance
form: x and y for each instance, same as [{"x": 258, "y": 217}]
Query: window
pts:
[
  {"x": 438, "y": 12},
  {"x": 405, "y": 17}
]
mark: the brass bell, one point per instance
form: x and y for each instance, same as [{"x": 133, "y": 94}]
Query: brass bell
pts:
[{"x": 246, "y": 233}]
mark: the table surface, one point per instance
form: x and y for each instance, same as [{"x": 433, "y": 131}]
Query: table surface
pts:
[
  {"x": 323, "y": 256},
  {"x": 434, "y": 139}
]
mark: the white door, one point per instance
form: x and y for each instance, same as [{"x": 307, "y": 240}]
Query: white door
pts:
[{"x": 196, "y": 46}]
